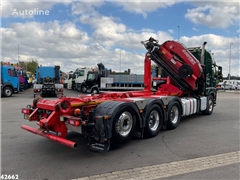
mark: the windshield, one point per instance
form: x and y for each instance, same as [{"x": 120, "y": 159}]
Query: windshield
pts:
[
  {"x": 91, "y": 76},
  {"x": 79, "y": 72},
  {"x": 70, "y": 76},
  {"x": 12, "y": 72}
]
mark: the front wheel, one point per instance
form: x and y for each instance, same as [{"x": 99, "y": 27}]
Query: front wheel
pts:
[
  {"x": 7, "y": 91},
  {"x": 123, "y": 127},
  {"x": 95, "y": 91},
  {"x": 153, "y": 121},
  {"x": 210, "y": 106},
  {"x": 174, "y": 115}
]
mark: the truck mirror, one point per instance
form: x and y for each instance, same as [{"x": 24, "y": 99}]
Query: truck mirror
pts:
[{"x": 219, "y": 70}]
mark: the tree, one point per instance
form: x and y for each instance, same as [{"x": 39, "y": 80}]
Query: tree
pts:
[{"x": 29, "y": 65}]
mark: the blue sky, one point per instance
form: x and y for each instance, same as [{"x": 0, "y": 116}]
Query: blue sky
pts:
[{"x": 83, "y": 33}]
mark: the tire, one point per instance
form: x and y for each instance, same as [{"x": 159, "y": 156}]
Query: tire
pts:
[
  {"x": 174, "y": 115},
  {"x": 210, "y": 106},
  {"x": 154, "y": 121},
  {"x": 78, "y": 88},
  {"x": 7, "y": 91},
  {"x": 124, "y": 124},
  {"x": 83, "y": 89},
  {"x": 95, "y": 91}
]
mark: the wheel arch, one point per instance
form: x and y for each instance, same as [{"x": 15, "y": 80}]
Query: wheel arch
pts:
[
  {"x": 109, "y": 108},
  {"x": 8, "y": 85}
]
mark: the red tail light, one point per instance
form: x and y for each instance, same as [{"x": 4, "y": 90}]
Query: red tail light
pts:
[
  {"x": 37, "y": 90},
  {"x": 74, "y": 122}
]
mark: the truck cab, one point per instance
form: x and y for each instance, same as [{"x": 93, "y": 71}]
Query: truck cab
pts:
[
  {"x": 212, "y": 72},
  {"x": 20, "y": 74},
  {"x": 80, "y": 77},
  {"x": 9, "y": 81},
  {"x": 91, "y": 84},
  {"x": 48, "y": 81}
]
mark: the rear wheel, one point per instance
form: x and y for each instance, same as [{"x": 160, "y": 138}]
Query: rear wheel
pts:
[
  {"x": 153, "y": 121},
  {"x": 174, "y": 115},
  {"x": 7, "y": 91},
  {"x": 210, "y": 106},
  {"x": 124, "y": 123}
]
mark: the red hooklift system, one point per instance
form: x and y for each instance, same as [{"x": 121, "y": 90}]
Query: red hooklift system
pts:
[{"x": 116, "y": 116}]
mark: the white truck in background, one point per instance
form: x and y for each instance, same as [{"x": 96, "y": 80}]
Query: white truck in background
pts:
[
  {"x": 80, "y": 75},
  {"x": 234, "y": 84}
]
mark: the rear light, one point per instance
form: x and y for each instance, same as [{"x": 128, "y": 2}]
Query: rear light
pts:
[
  {"x": 77, "y": 111},
  {"x": 74, "y": 122},
  {"x": 26, "y": 111},
  {"x": 60, "y": 90},
  {"x": 37, "y": 90}
]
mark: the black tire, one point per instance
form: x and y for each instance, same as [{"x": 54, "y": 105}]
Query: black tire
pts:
[
  {"x": 210, "y": 106},
  {"x": 7, "y": 91},
  {"x": 174, "y": 115},
  {"x": 154, "y": 120},
  {"x": 78, "y": 88},
  {"x": 83, "y": 89},
  {"x": 124, "y": 124},
  {"x": 95, "y": 90}
]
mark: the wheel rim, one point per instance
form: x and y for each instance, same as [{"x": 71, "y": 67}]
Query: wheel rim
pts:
[
  {"x": 94, "y": 91},
  {"x": 174, "y": 115},
  {"x": 8, "y": 92},
  {"x": 154, "y": 120},
  {"x": 124, "y": 124},
  {"x": 210, "y": 105}
]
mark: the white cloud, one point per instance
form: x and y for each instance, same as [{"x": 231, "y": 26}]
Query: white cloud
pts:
[
  {"x": 215, "y": 16},
  {"x": 195, "y": 29},
  {"x": 84, "y": 7},
  {"x": 141, "y": 7},
  {"x": 110, "y": 33},
  {"x": 170, "y": 31},
  {"x": 63, "y": 44}
]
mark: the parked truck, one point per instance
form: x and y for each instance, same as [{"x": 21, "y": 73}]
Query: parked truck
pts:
[
  {"x": 115, "y": 117},
  {"x": 104, "y": 79},
  {"x": 21, "y": 77},
  {"x": 68, "y": 80},
  {"x": 80, "y": 75},
  {"x": 9, "y": 81},
  {"x": 47, "y": 82}
]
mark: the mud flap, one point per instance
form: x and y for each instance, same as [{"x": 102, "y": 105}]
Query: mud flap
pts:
[{"x": 98, "y": 140}]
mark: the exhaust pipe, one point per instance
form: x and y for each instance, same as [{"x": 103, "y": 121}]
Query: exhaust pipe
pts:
[
  {"x": 52, "y": 137},
  {"x": 202, "y": 54}
]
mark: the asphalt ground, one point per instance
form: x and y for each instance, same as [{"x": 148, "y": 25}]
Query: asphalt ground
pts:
[{"x": 202, "y": 147}]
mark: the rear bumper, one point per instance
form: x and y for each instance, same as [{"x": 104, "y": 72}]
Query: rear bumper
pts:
[{"x": 41, "y": 132}]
